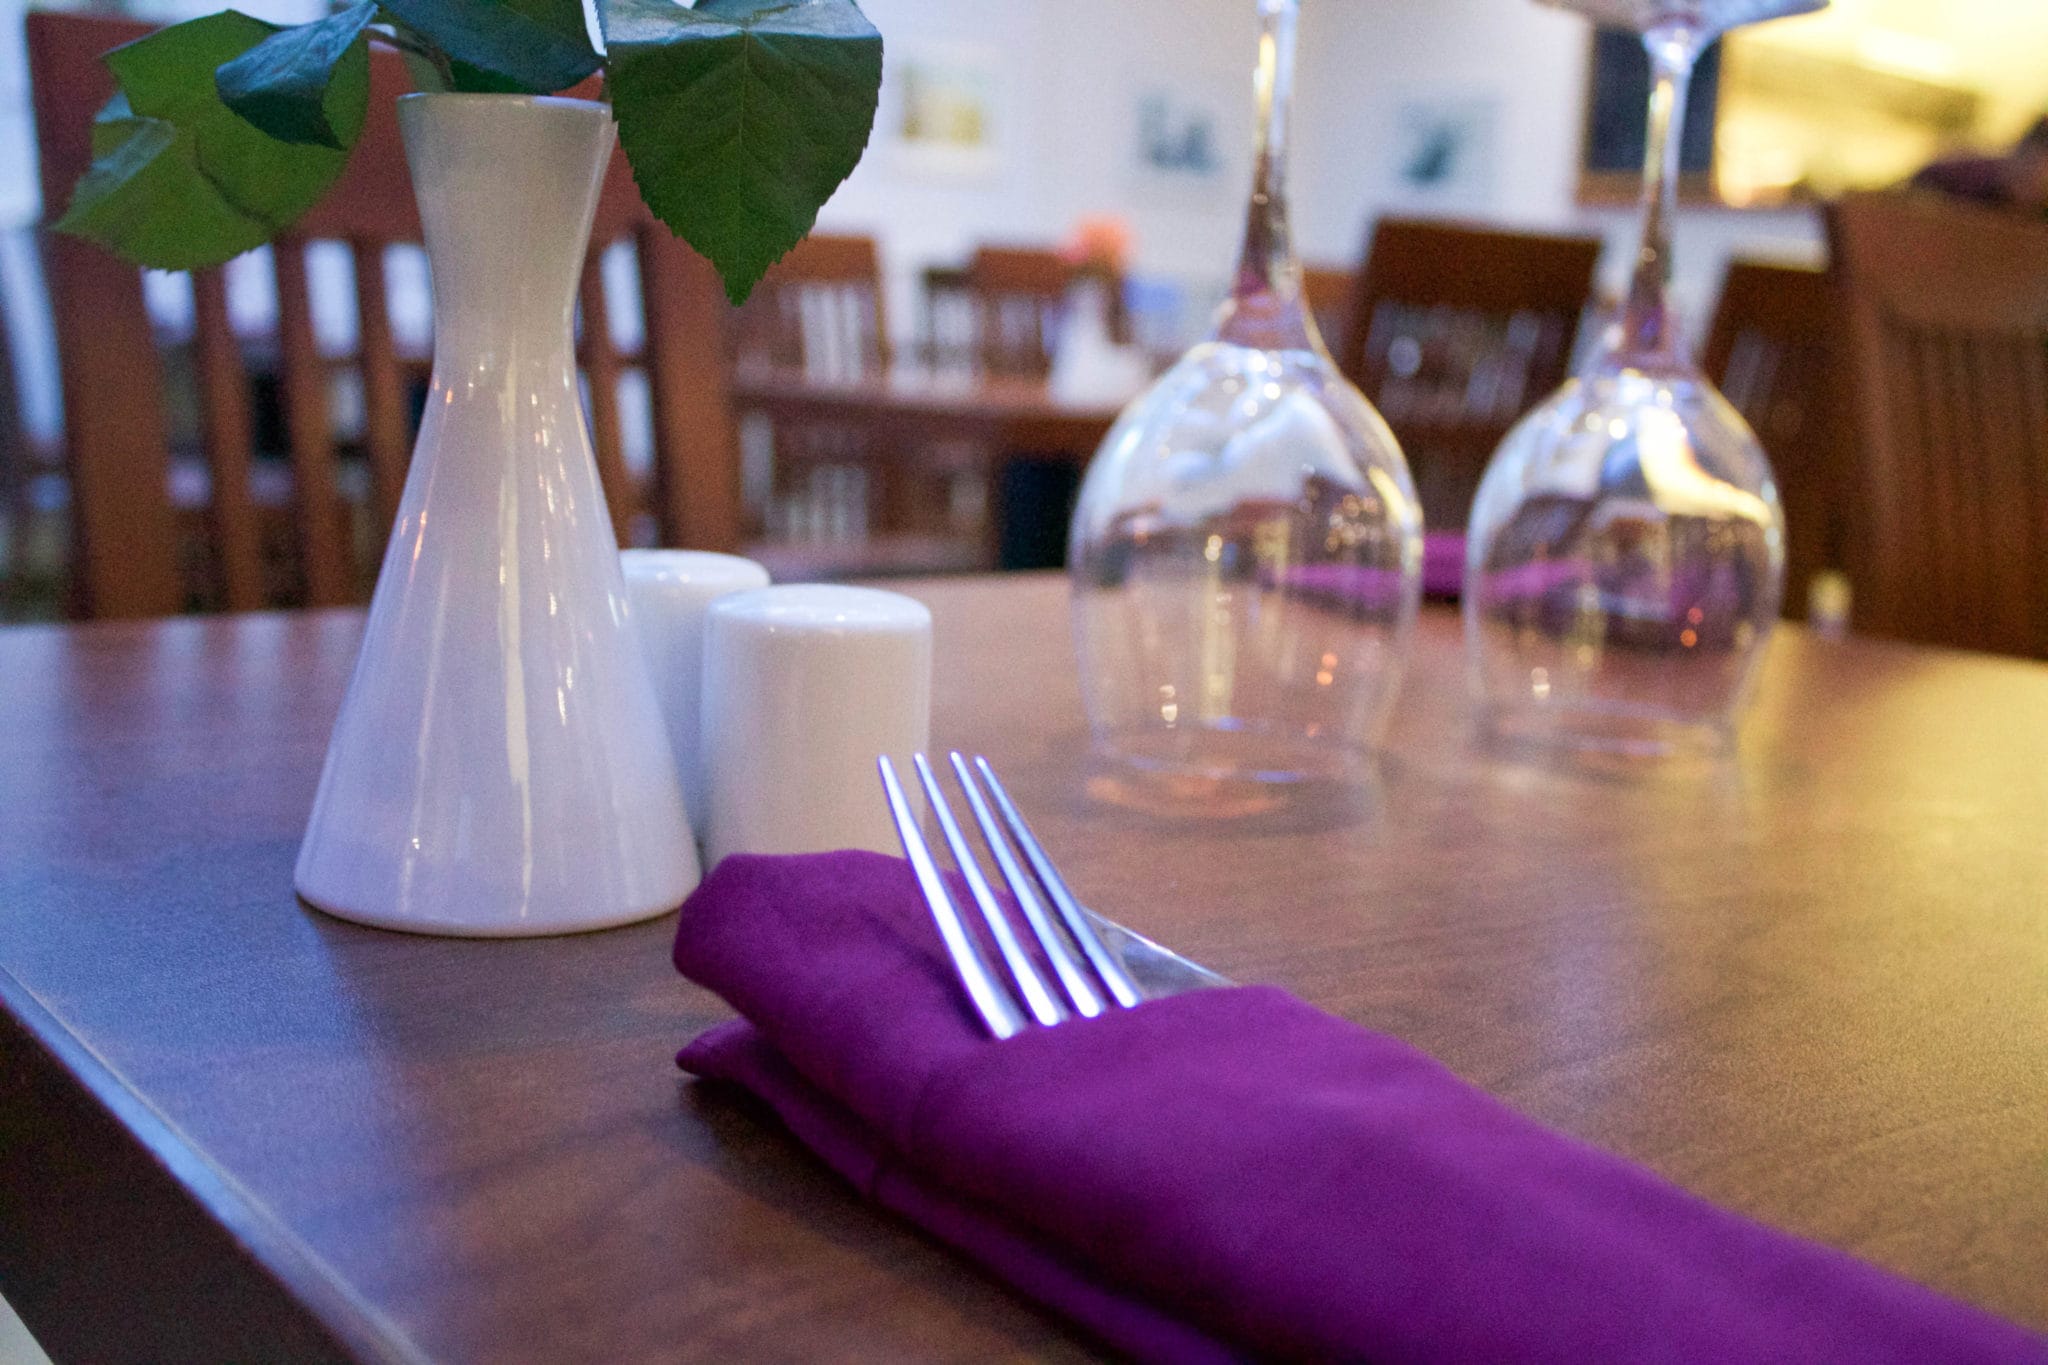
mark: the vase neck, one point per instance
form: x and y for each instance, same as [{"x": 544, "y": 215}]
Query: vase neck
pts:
[
  {"x": 1265, "y": 308},
  {"x": 507, "y": 187},
  {"x": 1650, "y": 333}
]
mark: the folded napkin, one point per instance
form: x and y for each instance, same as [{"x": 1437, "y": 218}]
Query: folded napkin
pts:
[
  {"x": 1360, "y": 586},
  {"x": 1443, "y": 563},
  {"x": 1233, "y": 1172}
]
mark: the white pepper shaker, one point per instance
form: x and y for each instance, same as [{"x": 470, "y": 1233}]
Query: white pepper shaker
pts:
[{"x": 804, "y": 687}]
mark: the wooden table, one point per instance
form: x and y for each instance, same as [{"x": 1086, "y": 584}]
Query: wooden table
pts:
[
  {"x": 1008, "y": 415},
  {"x": 1811, "y": 984}
]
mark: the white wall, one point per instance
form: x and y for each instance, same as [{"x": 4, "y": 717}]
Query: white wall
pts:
[{"x": 1070, "y": 73}]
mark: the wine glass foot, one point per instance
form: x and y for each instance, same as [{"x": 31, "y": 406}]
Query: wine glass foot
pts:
[
  {"x": 1614, "y": 730},
  {"x": 1235, "y": 751}
]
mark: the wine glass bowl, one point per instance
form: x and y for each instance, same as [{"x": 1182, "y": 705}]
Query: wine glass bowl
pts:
[
  {"x": 1623, "y": 567},
  {"x": 1246, "y": 560}
]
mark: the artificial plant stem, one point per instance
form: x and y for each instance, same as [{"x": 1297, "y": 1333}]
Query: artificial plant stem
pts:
[
  {"x": 1649, "y": 330},
  {"x": 1265, "y": 307}
]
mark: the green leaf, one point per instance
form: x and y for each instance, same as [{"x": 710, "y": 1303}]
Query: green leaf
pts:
[
  {"x": 179, "y": 181},
  {"x": 535, "y": 46},
  {"x": 741, "y": 117},
  {"x": 305, "y": 84},
  {"x": 145, "y": 199},
  {"x": 474, "y": 80}
]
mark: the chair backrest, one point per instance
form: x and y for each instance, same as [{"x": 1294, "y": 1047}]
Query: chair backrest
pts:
[
  {"x": 819, "y": 310},
  {"x": 1456, "y": 331},
  {"x": 1771, "y": 352},
  {"x": 130, "y": 530},
  {"x": 1021, "y": 294},
  {"x": 1946, "y": 329},
  {"x": 949, "y": 328},
  {"x": 1329, "y": 291}
]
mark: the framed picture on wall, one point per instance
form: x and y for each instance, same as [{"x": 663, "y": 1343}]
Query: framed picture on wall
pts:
[
  {"x": 1185, "y": 136},
  {"x": 1442, "y": 151},
  {"x": 1612, "y": 143},
  {"x": 943, "y": 112}
]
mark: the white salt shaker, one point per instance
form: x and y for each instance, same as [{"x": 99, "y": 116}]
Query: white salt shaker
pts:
[
  {"x": 804, "y": 686},
  {"x": 667, "y": 592}
]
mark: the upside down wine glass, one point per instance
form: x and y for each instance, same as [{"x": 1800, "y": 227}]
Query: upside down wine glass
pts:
[
  {"x": 1625, "y": 556},
  {"x": 1246, "y": 551}
]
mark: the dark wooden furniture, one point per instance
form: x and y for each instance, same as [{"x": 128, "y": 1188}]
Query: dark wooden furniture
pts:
[
  {"x": 1329, "y": 290},
  {"x": 1011, "y": 414},
  {"x": 941, "y": 425},
  {"x": 1806, "y": 985},
  {"x": 1771, "y": 351},
  {"x": 26, "y": 463},
  {"x": 836, "y": 495},
  {"x": 949, "y": 322},
  {"x": 1021, "y": 296},
  {"x": 820, "y": 309},
  {"x": 131, "y": 558},
  {"x": 1946, "y": 313},
  {"x": 1454, "y": 332}
]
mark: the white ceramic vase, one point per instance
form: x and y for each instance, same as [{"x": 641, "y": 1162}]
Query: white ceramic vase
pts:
[{"x": 499, "y": 766}]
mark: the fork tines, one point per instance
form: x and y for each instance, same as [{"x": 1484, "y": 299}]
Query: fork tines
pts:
[{"x": 1082, "y": 989}]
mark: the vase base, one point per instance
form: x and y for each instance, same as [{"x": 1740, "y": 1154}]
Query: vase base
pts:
[{"x": 536, "y": 926}]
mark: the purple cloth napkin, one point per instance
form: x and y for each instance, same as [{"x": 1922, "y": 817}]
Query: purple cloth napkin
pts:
[
  {"x": 1234, "y": 1172},
  {"x": 1443, "y": 563},
  {"x": 1355, "y": 585}
]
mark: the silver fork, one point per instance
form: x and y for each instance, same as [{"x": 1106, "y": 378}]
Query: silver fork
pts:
[{"x": 1097, "y": 964}]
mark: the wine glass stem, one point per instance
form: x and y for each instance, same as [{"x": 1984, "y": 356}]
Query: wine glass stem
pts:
[
  {"x": 1265, "y": 309},
  {"x": 1649, "y": 329}
]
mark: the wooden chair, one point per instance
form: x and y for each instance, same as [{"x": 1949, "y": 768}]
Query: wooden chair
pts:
[
  {"x": 847, "y": 498},
  {"x": 1329, "y": 291},
  {"x": 1021, "y": 294},
  {"x": 1454, "y": 332},
  {"x": 25, "y": 468},
  {"x": 820, "y": 309},
  {"x": 1945, "y": 309},
  {"x": 128, "y": 556},
  {"x": 949, "y": 324},
  {"x": 1771, "y": 352}
]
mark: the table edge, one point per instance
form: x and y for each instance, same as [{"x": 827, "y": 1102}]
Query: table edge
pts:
[{"x": 142, "y": 1165}]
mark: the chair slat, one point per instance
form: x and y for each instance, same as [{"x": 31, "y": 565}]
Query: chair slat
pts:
[
  {"x": 227, "y": 432},
  {"x": 601, "y": 370},
  {"x": 302, "y": 387},
  {"x": 117, "y": 441},
  {"x": 696, "y": 443},
  {"x": 1771, "y": 351},
  {"x": 1946, "y": 307},
  {"x": 385, "y": 438}
]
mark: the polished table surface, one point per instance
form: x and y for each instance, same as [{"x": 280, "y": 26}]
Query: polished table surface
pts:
[
  {"x": 1810, "y": 983},
  {"x": 1013, "y": 414}
]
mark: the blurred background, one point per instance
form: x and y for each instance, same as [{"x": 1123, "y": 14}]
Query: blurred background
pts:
[{"x": 1036, "y": 123}]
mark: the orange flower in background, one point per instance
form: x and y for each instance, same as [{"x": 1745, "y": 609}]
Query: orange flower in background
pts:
[{"x": 1098, "y": 242}]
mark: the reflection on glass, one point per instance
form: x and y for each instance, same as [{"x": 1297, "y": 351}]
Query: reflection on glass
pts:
[
  {"x": 1625, "y": 555},
  {"x": 1247, "y": 549}
]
